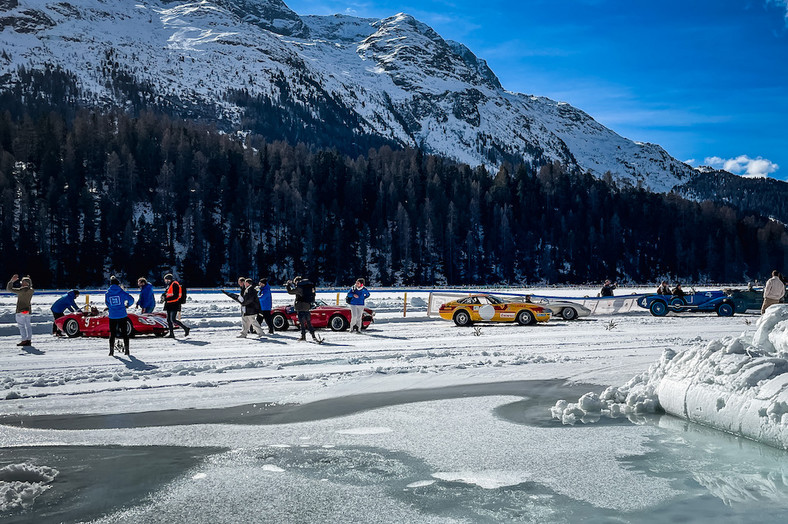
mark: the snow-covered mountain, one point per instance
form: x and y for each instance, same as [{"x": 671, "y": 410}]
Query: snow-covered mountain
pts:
[{"x": 394, "y": 78}]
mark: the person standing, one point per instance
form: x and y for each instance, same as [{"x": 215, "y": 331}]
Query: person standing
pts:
[
  {"x": 61, "y": 305},
  {"x": 117, "y": 301},
  {"x": 146, "y": 302},
  {"x": 266, "y": 303},
  {"x": 172, "y": 305},
  {"x": 773, "y": 291},
  {"x": 24, "y": 297},
  {"x": 607, "y": 289},
  {"x": 304, "y": 292},
  {"x": 356, "y": 297},
  {"x": 250, "y": 306}
]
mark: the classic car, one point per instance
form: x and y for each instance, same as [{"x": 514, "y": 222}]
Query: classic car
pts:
[
  {"x": 489, "y": 308},
  {"x": 560, "y": 308},
  {"x": 96, "y": 324},
  {"x": 323, "y": 315},
  {"x": 718, "y": 301}
]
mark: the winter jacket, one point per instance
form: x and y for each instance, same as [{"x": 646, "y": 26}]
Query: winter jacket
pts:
[
  {"x": 117, "y": 301},
  {"x": 249, "y": 301},
  {"x": 24, "y": 295},
  {"x": 266, "y": 300},
  {"x": 664, "y": 290},
  {"x": 358, "y": 296},
  {"x": 304, "y": 294},
  {"x": 607, "y": 290},
  {"x": 774, "y": 289},
  {"x": 172, "y": 297},
  {"x": 146, "y": 300},
  {"x": 67, "y": 301}
]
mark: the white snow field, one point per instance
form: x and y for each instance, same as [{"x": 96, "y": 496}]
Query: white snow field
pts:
[{"x": 416, "y": 420}]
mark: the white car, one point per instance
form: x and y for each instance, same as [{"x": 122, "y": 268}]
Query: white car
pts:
[{"x": 561, "y": 308}]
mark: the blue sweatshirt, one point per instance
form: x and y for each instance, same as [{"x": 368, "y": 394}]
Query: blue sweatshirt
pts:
[
  {"x": 266, "y": 301},
  {"x": 146, "y": 300},
  {"x": 362, "y": 295},
  {"x": 67, "y": 301},
  {"x": 117, "y": 301}
]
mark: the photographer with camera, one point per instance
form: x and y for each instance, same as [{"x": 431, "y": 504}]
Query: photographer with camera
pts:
[{"x": 304, "y": 292}]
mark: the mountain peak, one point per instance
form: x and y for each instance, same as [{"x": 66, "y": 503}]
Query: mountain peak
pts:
[{"x": 271, "y": 15}]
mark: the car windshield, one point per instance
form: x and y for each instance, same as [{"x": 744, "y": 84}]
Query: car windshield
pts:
[{"x": 318, "y": 303}]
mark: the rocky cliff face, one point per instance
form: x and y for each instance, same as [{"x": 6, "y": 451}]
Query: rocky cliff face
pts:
[{"x": 394, "y": 78}]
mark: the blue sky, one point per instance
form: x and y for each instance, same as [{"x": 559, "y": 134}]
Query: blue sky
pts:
[{"x": 707, "y": 80}]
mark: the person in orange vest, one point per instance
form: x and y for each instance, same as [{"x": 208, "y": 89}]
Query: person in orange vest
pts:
[{"x": 173, "y": 298}]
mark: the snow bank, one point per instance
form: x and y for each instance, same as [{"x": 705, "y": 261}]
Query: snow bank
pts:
[
  {"x": 22, "y": 484},
  {"x": 736, "y": 384}
]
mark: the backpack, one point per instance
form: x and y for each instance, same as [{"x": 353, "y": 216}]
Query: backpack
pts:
[
  {"x": 182, "y": 300},
  {"x": 308, "y": 293}
]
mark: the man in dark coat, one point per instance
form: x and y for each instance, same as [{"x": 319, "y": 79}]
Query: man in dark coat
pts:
[
  {"x": 304, "y": 292},
  {"x": 250, "y": 307}
]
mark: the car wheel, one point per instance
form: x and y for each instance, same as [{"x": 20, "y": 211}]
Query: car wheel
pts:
[
  {"x": 658, "y": 308},
  {"x": 462, "y": 318},
  {"x": 725, "y": 310},
  {"x": 71, "y": 327},
  {"x": 338, "y": 323},
  {"x": 677, "y": 304},
  {"x": 280, "y": 322},
  {"x": 129, "y": 328},
  {"x": 569, "y": 313},
  {"x": 525, "y": 318}
]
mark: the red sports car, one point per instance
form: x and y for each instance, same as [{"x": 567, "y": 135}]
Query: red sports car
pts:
[
  {"x": 323, "y": 315},
  {"x": 96, "y": 324}
]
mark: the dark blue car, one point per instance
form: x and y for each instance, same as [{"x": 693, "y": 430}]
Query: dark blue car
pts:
[{"x": 718, "y": 301}]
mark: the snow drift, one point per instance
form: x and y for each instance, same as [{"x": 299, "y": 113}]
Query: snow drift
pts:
[{"x": 736, "y": 384}]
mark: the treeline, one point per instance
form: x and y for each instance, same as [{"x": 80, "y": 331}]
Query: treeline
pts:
[{"x": 114, "y": 194}]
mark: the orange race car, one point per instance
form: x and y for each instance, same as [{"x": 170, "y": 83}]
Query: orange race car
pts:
[{"x": 489, "y": 308}]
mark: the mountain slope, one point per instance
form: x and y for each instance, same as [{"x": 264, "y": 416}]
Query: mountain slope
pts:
[{"x": 395, "y": 79}]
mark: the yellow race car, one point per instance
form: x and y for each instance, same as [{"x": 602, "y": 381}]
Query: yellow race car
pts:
[{"x": 489, "y": 308}]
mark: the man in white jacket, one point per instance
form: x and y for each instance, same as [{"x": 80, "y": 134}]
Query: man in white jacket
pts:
[{"x": 773, "y": 291}]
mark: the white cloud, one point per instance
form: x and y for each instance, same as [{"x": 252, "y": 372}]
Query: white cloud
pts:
[
  {"x": 743, "y": 165},
  {"x": 780, "y": 3}
]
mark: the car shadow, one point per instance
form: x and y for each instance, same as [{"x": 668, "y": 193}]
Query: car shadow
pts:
[
  {"x": 32, "y": 350},
  {"x": 375, "y": 335},
  {"x": 136, "y": 364}
]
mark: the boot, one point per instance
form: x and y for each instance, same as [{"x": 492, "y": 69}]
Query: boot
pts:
[
  {"x": 186, "y": 331},
  {"x": 21, "y": 343},
  {"x": 303, "y": 337},
  {"x": 27, "y": 342},
  {"x": 111, "y": 352}
]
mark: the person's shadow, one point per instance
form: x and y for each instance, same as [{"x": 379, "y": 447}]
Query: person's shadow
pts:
[
  {"x": 192, "y": 342},
  {"x": 32, "y": 350},
  {"x": 136, "y": 364}
]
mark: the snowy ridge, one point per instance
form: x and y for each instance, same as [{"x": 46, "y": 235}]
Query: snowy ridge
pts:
[{"x": 401, "y": 79}]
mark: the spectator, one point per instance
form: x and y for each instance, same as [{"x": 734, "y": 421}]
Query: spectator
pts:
[
  {"x": 773, "y": 291},
  {"x": 67, "y": 302},
  {"x": 250, "y": 306},
  {"x": 266, "y": 303},
  {"x": 172, "y": 305},
  {"x": 117, "y": 301},
  {"x": 356, "y": 297},
  {"x": 304, "y": 292},
  {"x": 607, "y": 289},
  {"x": 146, "y": 302},
  {"x": 677, "y": 291},
  {"x": 24, "y": 296}
]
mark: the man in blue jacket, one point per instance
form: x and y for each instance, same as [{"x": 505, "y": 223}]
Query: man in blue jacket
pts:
[
  {"x": 117, "y": 301},
  {"x": 356, "y": 297},
  {"x": 266, "y": 303},
  {"x": 146, "y": 302},
  {"x": 66, "y": 302}
]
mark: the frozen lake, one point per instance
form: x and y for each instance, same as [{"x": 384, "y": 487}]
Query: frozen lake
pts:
[{"x": 415, "y": 421}]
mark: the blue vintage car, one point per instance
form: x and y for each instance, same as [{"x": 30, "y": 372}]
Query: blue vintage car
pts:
[{"x": 719, "y": 301}]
